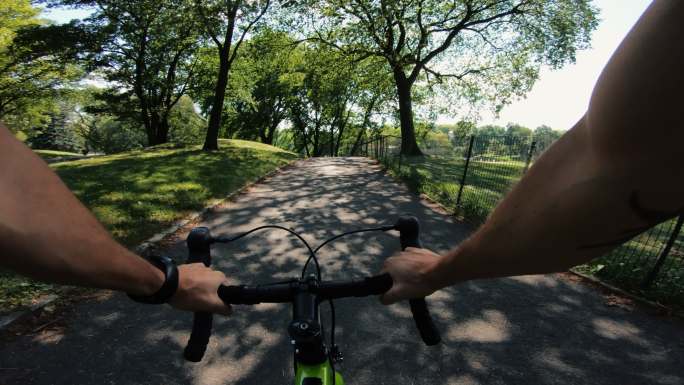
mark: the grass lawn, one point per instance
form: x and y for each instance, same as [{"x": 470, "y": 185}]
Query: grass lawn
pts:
[
  {"x": 137, "y": 194},
  {"x": 487, "y": 181},
  {"x": 439, "y": 177},
  {"x": 629, "y": 264},
  {"x": 52, "y": 154}
]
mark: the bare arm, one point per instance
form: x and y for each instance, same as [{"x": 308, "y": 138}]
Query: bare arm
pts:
[
  {"x": 47, "y": 234},
  {"x": 613, "y": 175}
]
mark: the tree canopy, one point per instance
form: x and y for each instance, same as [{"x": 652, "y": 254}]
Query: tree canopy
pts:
[
  {"x": 319, "y": 77},
  {"x": 483, "y": 50}
]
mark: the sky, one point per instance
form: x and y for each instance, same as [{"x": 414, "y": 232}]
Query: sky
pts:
[{"x": 560, "y": 97}]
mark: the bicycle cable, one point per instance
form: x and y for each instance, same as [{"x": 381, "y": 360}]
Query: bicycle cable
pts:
[
  {"x": 327, "y": 241},
  {"x": 312, "y": 256},
  {"x": 312, "y": 253},
  {"x": 333, "y": 348}
]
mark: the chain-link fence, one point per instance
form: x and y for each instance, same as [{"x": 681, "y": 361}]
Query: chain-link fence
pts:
[{"x": 470, "y": 176}]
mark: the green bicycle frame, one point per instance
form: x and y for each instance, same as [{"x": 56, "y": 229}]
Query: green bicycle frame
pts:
[{"x": 322, "y": 372}]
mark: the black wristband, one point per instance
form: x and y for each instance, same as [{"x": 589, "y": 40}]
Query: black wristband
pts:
[{"x": 168, "y": 289}]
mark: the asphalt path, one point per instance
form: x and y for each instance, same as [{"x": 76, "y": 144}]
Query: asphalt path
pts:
[{"x": 524, "y": 330}]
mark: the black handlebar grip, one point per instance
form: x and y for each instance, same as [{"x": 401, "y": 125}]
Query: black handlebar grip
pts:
[
  {"x": 199, "y": 242},
  {"x": 409, "y": 236}
]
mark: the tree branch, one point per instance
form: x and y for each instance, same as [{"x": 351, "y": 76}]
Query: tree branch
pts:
[
  {"x": 246, "y": 30},
  {"x": 439, "y": 76},
  {"x": 465, "y": 22}
]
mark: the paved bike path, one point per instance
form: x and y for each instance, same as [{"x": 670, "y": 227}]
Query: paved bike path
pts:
[{"x": 527, "y": 330}]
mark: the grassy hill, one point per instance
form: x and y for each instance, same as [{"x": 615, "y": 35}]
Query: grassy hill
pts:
[{"x": 137, "y": 194}]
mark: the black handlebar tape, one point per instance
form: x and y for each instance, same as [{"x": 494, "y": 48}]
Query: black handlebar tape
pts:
[
  {"x": 409, "y": 236},
  {"x": 252, "y": 295},
  {"x": 199, "y": 242},
  {"x": 426, "y": 327},
  {"x": 364, "y": 287}
]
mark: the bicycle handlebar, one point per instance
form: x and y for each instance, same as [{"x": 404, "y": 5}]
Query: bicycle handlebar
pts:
[
  {"x": 199, "y": 243},
  {"x": 199, "y": 250},
  {"x": 285, "y": 292},
  {"x": 409, "y": 236}
]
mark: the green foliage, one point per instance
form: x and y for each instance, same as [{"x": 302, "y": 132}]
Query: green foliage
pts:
[
  {"x": 109, "y": 135},
  {"x": 494, "y": 48},
  {"x": 545, "y": 136},
  {"x": 226, "y": 23},
  {"x": 263, "y": 81},
  {"x": 17, "y": 291},
  {"x": 186, "y": 126},
  {"x": 36, "y": 61},
  {"x": 439, "y": 178},
  {"x": 628, "y": 265},
  {"x": 14, "y": 15},
  {"x": 144, "y": 50},
  {"x": 103, "y": 132},
  {"x": 333, "y": 88},
  {"x": 56, "y": 135}
]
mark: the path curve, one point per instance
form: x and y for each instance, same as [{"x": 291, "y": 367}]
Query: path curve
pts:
[{"x": 526, "y": 330}]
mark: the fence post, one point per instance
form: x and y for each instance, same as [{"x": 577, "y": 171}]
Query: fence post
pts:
[
  {"x": 663, "y": 255},
  {"x": 378, "y": 146},
  {"x": 465, "y": 172},
  {"x": 529, "y": 156},
  {"x": 384, "y": 148}
]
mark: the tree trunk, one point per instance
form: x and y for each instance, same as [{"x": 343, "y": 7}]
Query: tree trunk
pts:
[
  {"x": 163, "y": 130},
  {"x": 409, "y": 146},
  {"x": 149, "y": 130},
  {"x": 211, "y": 140},
  {"x": 270, "y": 133},
  {"x": 366, "y": 121},
  {"x": 152, "y": 139},
  {"x": 316, "y": 151}
]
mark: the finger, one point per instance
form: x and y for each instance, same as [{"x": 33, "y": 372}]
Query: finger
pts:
[{"x": 221, "y": 308}]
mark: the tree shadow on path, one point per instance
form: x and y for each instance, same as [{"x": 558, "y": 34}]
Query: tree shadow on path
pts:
[{"x": 531, "y": 330}]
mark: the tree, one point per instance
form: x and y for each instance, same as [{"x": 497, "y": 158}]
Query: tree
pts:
[
  {"x": 145, "y": 52},
  {"x": 221, "y": 19},
  {"x": 461, "y": 132},
  {"x": 334, "y": 102},
  {"x": 489, "y": 50},
  {"x": 545, "y": 136},
  {"x": 36, "y": 61},
  {"x": 186, "y": 126},
  {"x": 266, "y": 69},
  {"x": 107, "y": 132},
  {"x": 58, "y": 134},
  {"x": 518, "y": 140}
]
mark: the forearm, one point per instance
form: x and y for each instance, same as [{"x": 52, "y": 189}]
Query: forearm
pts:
[
  {"x": 559, "y": 215},
  {"x": 47, "y": 234},
  {"x": 612, "y": 176}
]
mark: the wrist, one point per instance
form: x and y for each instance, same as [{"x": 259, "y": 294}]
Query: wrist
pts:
[
  {"x": 437, "y": 274},
  {"x": 169, "y": 284},
  {"x": 154, "y": 279}
]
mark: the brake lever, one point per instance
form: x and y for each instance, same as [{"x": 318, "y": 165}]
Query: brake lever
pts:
[{"x": 199, "y": 250}]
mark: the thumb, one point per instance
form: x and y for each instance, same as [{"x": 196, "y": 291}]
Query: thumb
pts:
[
  {"x": 390, "y": 296},
  {"x": 219, "y": 307}
]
